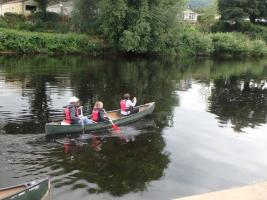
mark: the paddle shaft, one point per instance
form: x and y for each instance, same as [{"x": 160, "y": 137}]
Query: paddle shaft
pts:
[
  {"x": 82, "y": 119},
  {"x": 115, "y": 127}
]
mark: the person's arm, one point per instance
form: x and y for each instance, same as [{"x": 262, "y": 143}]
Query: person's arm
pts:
[{"x": 130, "y": 103}]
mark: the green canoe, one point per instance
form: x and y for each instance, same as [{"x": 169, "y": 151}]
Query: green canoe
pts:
[
  {"x": 55, "y": 128},
  {"x": 34, "y": 190}
]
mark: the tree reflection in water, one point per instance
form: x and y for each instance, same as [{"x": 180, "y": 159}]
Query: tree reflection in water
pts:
[
  {"x": 118, "y": 167},
  {"x": 239, "y": 102}
]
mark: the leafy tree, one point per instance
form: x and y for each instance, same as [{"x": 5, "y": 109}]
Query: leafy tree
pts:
[
  {"x": 84, "y": 14},
  {"x": 208, "y": 16},
  {"x": 252, "y": 9},
  {"x": 262, "y": 6},
  {"x": 43, "y": 5},
  {"x": 237, "y": 10},
  {"x": 137, "y": 26},
  {"x": 232, "y": 10}
]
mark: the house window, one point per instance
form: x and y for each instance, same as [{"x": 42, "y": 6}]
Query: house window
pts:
[
  {"x": 192, "y": 16},
  {"x": 30, "y": 8}
]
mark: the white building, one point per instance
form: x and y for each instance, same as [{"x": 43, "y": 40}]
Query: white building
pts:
[
  {"x": 63, "y": 8},
  {"x": 0, "y": 8},
  {"x": 22, "y": 7},
  {"x": 190, "y": 16}
]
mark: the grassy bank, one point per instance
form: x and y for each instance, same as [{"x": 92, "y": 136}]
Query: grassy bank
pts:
[
  {"x": 182, "y": 43},
  {"x": 14, "y": 41},
  {"x": 191, "y": 42}
]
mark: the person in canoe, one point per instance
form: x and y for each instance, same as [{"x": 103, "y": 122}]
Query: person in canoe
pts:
[
  {"x": 128, "y": 106},
  {"x": 72, "y": 115},
  {"x": 99, "y": 114}
]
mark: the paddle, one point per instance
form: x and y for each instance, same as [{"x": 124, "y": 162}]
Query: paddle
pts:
[
  {"x": 82, "y": 118},
  {"x": 114, "y": 126}
]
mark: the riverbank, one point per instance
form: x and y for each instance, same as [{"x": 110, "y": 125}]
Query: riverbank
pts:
[
  {"x": 182, "y": 44},
  {"x": 24, "y": 42},
  {"x": 252, "y": 192}
]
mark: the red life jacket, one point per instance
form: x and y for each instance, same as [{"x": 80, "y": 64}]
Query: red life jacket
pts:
[
  {"x": 67, "y": 114},
  {"x": 123, "y": 105},
  {"x": 95, "y": 115}
]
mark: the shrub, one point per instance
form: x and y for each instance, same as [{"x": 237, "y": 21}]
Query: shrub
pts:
[
  {"x": 252, "y": 30},
  {"x": 27, "y": 42},
  {"x": 237, "y": 44}
]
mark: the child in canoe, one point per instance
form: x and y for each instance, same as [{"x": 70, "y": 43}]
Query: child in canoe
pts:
[
  {"x": 128, "y": 106},
  {"x": 99, "y": 114}
]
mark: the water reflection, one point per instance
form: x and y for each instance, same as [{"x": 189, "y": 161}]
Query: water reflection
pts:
[
  {"x": 45, "y": 85},
  {"x": 35, "y": 89},
  {"x": 189, "y": 95},
  {"x": 112, "y": 165},
  {"x": 239, "y": 102}
]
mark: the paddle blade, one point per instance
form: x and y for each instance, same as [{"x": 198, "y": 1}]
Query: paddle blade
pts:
[{"x": 115, "y": 128}]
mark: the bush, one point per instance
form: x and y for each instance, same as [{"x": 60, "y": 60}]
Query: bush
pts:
[
  {"x": 27, "y": 42},
  {"x": 237, "y": 44},
  {"x": 49, "y": 17},
  {"x": 13, "y": 20},
  {"x": 252, "y": 30},
  {"x": 189, "y": 41}
]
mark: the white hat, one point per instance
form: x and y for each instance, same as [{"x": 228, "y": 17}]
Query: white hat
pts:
[{"x": 73, "y": 99}]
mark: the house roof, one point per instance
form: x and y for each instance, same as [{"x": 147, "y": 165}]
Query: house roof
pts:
[
  {"x": 189, "y": 11},
  {"x": 15, "y": 1}
]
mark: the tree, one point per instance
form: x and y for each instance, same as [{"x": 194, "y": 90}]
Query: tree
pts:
[
  {"x": 232, "y": 10},
  {"x": 237, "y": 10},
  {"x": 208, "y": 16},
  {"x": 137, "y": 26},
  {"x": 84, "y": 14},
  {"x": 252, "y": 9},
  {"x": 42, "y": 5},
  {"x": 262, "y": 6}
]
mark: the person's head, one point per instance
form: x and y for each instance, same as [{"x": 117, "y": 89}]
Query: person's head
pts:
[
  {"x": 74, "y": 100},
  {"x": 98, "y": 105},
  {"x": 126, "y": 96}
]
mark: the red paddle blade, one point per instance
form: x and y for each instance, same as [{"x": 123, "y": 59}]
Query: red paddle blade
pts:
[{"x": 116, "y": 128}]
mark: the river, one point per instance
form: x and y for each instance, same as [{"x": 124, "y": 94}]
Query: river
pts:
[{"x": 208, "y": 130}]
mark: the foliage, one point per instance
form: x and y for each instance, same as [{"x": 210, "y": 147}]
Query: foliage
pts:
[
  {"x": 53, "y": 22},
  {"x": 42, "y": 5},
  {"x": 13, "y": 19},
  {"x": 137, "y": 26},
  {"x": 84, "y": 15},
  {"x": 237, "y": 10},
  {"x": 208, "y": 17},
  {"x": 188, "y": 41},
  {"x": 27, "y": 42},
  {"x": 232, "y": 10},
  {"x": 252, "y": 30},
  {"x": 237, "y": 44}
]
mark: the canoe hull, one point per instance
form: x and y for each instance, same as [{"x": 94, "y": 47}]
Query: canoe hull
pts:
[
  {"x": 57, "y": 129},
  {"x": 38, "y": 190}
]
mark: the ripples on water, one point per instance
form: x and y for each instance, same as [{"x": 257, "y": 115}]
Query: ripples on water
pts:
[{"x": 206, "y": 133}]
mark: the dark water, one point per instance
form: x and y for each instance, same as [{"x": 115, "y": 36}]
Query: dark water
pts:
[{"x": 208, "y": 130}]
